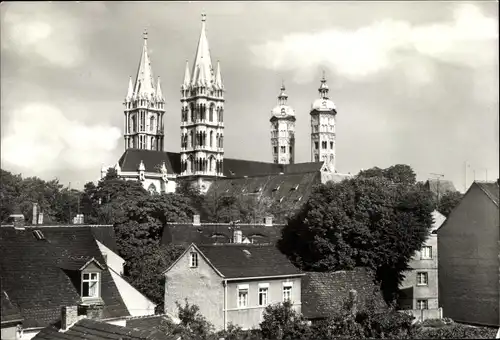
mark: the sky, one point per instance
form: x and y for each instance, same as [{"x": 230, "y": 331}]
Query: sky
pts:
[{"x": 414, "y": 82}]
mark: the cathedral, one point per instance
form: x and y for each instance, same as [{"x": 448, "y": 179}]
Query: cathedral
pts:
[{"x": 201, "y": 160}]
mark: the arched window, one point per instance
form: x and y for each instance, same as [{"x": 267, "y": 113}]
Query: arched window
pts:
[
  {"x": 211, "y": 113},
  {"x": 211, "y": 138},
  {"x": 221, "y": 115},
  {"x": 133, "y": 124},
  {"x": 192, "y": 142},
  {"x": 153, "y": 143},
  {"x": 152, "y": 121},
  {"x": 192, "y": 112}
]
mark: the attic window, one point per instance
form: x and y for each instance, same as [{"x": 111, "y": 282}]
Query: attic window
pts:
[
  {"x": 193, "y": 260},
  {"x": 298, "y": 199},
  {"x": 90, "y": 285},
  {"x": 276, "y": 188},
  {"x": 38, "y": 234},
  {"x": 243, "y": 190},
  {"x": 295, "y": 187},
  {"x": 247, "y": 253},
  {"x": 258, "y": 190},
  {"x": 227, "y": 190},
  {"x": 281, "y": 199}
]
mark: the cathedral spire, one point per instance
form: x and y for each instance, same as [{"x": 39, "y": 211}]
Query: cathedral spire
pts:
[
  {"x": 144, "y": 82},
  {"x": 202, "y": 69},
  {"x": 218, "y": 78},
  {"x": 130, "y": 91},
  {"x": 187, "y": 77},
  {"x": 159, "y": 92},
  {"x": 323, "y": 88}
]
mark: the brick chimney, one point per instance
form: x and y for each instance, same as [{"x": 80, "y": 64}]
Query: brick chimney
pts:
[
  {"x": 268, "y": 221},
  {"x": 93, "y": 310},
  {"x": 35, "y": 214},
  {"x": 237, "y": 236},
  {"x": 196, "y": 220},
  {"x": 69, "y": 316}
]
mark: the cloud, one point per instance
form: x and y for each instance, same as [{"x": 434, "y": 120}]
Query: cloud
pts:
[
  {"x": 51, "y": 35},
  {"x": 385, "y": 45},
  {"x": 39, "y": 138}
]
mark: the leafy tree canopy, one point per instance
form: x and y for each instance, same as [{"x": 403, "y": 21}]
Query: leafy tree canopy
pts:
[
  {"x": 371, "y": 221},
  {"x": 449, "y": 201}
]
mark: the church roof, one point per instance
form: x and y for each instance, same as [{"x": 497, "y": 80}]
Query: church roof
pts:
[{"x": 233, "y": 168}]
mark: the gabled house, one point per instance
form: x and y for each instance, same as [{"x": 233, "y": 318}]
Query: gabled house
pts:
[
  {"x": 419, "y": 289},
  {"x": 232, "y": 283},
  {"x": 468, "y": 242},
  {"x": 46, "y": 267}
]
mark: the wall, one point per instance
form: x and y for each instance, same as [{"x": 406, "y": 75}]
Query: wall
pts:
[
  {"x": 202, "y": 286},
  {"x": 424, "y": 314},
  {"x": 137, "y": 304},
  {"x": 468, "y": 259},
  {"x": 113, "y": 260},
  {"x": 9, "y": 333},
  {"x": 251, "y": 316},
  {"x": 429, "y": 292}
]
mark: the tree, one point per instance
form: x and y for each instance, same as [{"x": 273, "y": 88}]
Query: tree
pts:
[
  {"x": 449, "y": 201},
  {"x": 193, "y": 193},
  {"x": 9, "y": 193},
  {"x": 281, "y": 321},
  {"x": 193, "y": 325},
  {"x": 399, "y": 173},
  {"x": 145, "y": 270},
  {"x": 369, "y": 222}
]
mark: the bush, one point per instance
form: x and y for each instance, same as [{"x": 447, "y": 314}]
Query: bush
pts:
[
  {"x": 281, "y": 321},
  {"x": 456, "y": 331}
]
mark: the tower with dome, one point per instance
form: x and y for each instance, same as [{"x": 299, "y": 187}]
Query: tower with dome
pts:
[{"x": 283, "y": 130}]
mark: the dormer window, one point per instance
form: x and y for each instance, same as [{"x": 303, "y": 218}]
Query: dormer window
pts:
[
  {"x": 193, "y": 260},
  {"x": 90, "y": 285}
]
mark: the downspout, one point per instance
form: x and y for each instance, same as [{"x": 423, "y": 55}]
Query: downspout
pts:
[{"x": 225, "y": 304}]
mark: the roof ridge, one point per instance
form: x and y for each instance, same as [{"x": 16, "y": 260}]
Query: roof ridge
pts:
[{"x": 490, "y": 196}]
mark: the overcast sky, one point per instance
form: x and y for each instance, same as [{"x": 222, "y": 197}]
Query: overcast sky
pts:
[{"x": 414, "y": 82}]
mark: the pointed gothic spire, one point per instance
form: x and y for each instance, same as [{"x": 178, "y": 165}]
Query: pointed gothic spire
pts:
[
  {"x": 202, "y": 69},
  {"x": 159, "y": 93},
  {"x": 218, "y": 78},
  {"x": 130, "y": 91},
  {"x": 187, "y": 77},
  {"x": 144, "y": 82}
]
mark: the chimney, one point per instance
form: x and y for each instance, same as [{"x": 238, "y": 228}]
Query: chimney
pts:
[
  {"x": 40, "y": 218},
  {"x": 196, "y": 220},
  {"x": 35, "y": 214},
  {"x": 237, "y": 236},
  {"x": 69, "y": 316},
  {"x": 268, "y": 221},
  {"x": 92, "y": 310}
]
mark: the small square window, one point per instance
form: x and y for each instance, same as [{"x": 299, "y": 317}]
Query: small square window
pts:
[
  {"x": 422, "y": 304},
  {"x": 422, "y": 279},
  {"x": 426, "y": 253},
  {"x": 193, "y": 260}
]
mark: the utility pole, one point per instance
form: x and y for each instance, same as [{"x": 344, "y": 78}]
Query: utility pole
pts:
[
  {"x": 69, "y": 205},
  {"x": 438, "y": 177}
]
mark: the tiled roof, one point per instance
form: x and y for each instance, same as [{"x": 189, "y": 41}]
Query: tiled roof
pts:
[
  {"x": 150, "y": 322},
  {"x": 323, "y": 294},
  {"x": 243, "y": 261},
  {"x": 491, "y": 189},
  {"x": 208, "y": 233},
  {"x": 153, "y": 160},
  {"x": 106, "y": 235},
  {"x": 10, "y": 312},
  {"x": 289, "y": 190},
  {"x": 34, "y": 278},
  {"x": 442, "y": 185},
  {"x": 87, "y": 329}
]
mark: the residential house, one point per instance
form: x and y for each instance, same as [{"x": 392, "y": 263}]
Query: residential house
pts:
[
  {"x": 468, "y": 242},
  {"x": 419, "y": 290},
  {"x": 208, "y": 233},
  {"x": 232, "y": 283},
  {"x": 45, "y": 267},
  {"x": 325, "y": 293}
]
